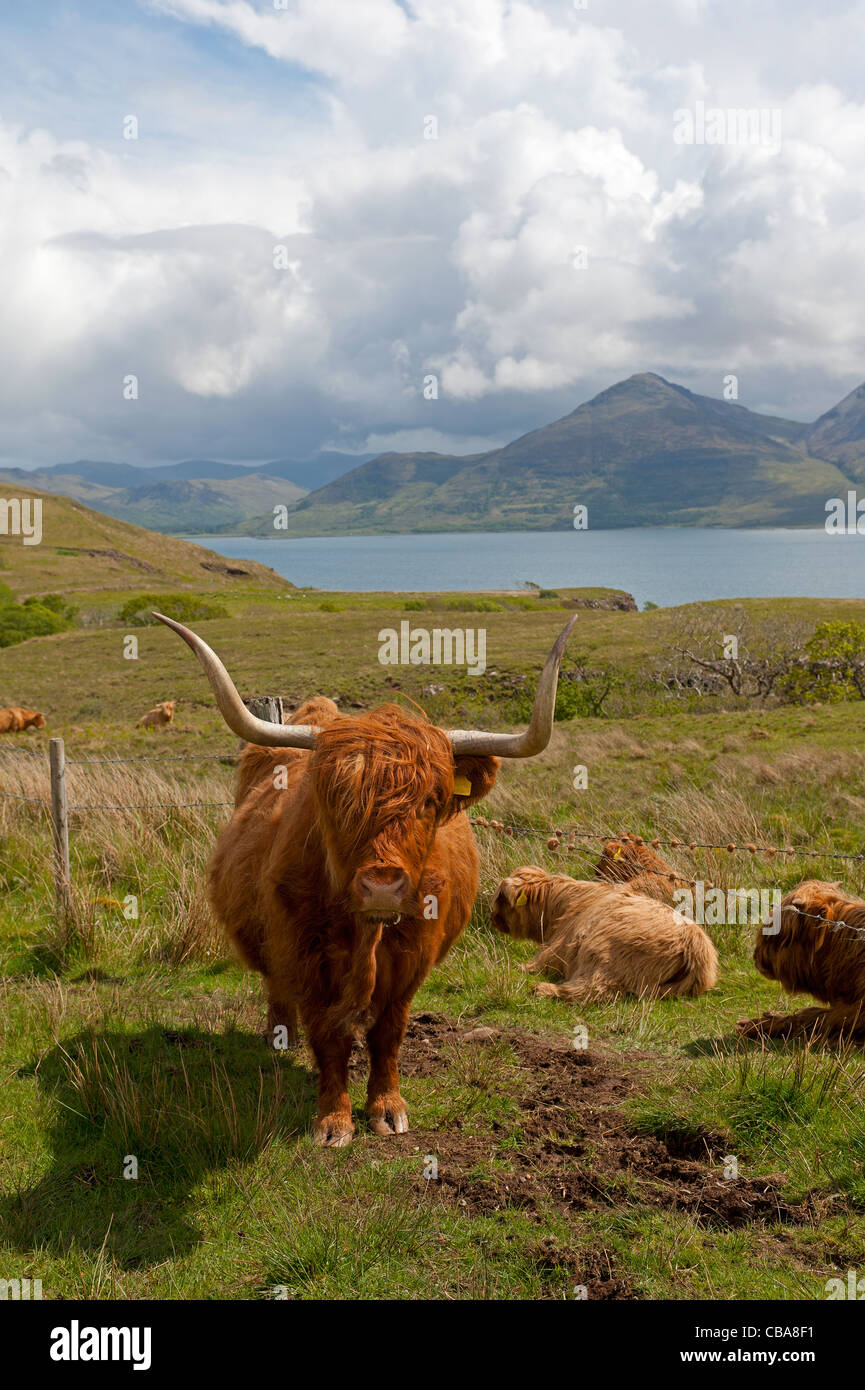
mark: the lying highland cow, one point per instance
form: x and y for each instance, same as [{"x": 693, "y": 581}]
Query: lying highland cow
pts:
[
  {"x": 602, "y": 939},
  {"x": 810, "y": 952},
  {"x": 160, "y": 716},
  {"x": 13, "y": 721},
  {"x": 629, "y": 860}
]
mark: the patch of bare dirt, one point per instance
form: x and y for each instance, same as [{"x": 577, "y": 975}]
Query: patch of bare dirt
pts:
[
  {"x": 578, "y": 1152},
  {"x": 112, "y": 554}
]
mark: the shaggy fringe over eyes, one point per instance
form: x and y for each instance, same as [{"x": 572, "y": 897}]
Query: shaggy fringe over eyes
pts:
[{"x": 380, "y": 768}]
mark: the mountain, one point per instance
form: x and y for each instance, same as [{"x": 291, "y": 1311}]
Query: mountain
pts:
[
  {"x": 192, "y": 469},
  {"x": 194, "y": 506},
  {"x": 197, "y": 506},
  {"x": 196, "y": 496},
  {"x": 102, "y": 474},
  {"x": 643, "y": 452},
  {"x": 83, "y": 551},
  {"x": 315, "y": 472},
  {"x": 839, "y": 435}
]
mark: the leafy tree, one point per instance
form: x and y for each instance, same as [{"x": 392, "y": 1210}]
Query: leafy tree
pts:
[
  {"x": 184, "y": 608},
  {"x": 35, "y": 617},
  {"x": 834, "y": 666}
]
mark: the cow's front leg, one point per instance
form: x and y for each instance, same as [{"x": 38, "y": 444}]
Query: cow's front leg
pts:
[
  {"x": 333, "y": 1128},
  {"x": 385, "y": 1108},
  {"x": 281, "y": 1013}
]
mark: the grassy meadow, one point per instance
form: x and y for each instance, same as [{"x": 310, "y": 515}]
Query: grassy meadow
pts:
[{"x": 128, "y": 1031}]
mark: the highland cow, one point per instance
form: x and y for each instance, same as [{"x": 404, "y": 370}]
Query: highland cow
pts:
[
  {"x": 808, "y": 950},
  {"x": 158, "y": 717},
  {"x": 349, "y": 868},
  {"x": 13, "y": 721},
  {"x": 628, "y": 858},
  {"x": 602, "y": 939}
]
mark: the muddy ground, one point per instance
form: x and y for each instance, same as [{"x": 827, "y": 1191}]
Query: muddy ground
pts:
[{"x": 577, "y": 1151}]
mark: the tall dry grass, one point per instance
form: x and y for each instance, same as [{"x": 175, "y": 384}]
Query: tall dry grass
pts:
[{"x": 139, "y": 837}]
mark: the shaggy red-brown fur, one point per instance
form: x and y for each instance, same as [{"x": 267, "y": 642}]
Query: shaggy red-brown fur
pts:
[
  {"x": 373, "y": 800},
  {"x": 651, "y": 886},
  {"x": 162, "y": 714},
  {"x": 603, "y": 940},
  {"x": 810, "y": 954},
  {"x": 12, "y": 721},
  {"x": 628, "y": 859}
]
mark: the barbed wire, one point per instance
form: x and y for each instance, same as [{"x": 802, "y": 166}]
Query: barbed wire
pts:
[
  {"x": 162, "y": 758},
  {"x": 554, "y": 836},
  {"x": 499, "y": 827},
  {"x": 557, "y": 835},
  {"x": 123, "y": 806}
]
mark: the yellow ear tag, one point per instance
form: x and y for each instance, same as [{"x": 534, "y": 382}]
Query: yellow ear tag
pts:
[
  {"x": 462, "y": 786},
  {"x": 618, "y": 853},
  {"x": 521, "y": 899}
]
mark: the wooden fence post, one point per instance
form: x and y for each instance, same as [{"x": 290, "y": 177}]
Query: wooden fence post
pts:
[
  {"x": 264, "y": 706},
  {"x": 267, "y": 707},
  {"x": 59, "y": 825}
]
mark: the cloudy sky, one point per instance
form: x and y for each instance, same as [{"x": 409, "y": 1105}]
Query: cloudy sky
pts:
[{"x": 283, "y": 254}]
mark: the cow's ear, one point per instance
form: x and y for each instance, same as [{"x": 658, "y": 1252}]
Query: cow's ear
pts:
[
  {"x": 505, "y": 892},
  {"x": 473, "y": 780}
]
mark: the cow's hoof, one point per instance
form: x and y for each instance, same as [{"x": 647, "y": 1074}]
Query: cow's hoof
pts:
[
  {"x": 766, "y": 1026},
  {"x": 388, "y": 1114},
  {"x": 334, "y": 1131}
]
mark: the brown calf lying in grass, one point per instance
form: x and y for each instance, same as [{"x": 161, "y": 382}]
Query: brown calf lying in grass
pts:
[
  {"x": 602, "y": 939},
  {"x": 810, "y": 952},
  {"x": 13, "y": 720},
  {"x": 629, "y": 860},
  {"x": 160, "y": 716}
]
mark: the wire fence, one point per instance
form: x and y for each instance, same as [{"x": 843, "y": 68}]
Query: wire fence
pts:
[
  {"x": 114, "y": 806},
  {"x": 557, "y": 837},
  {"x": 229, "y": 759}
]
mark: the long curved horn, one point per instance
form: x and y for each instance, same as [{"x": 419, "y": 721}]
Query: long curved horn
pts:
[
  {"x": 232, "y": 708},
  {"x": 535, "y": 738}
]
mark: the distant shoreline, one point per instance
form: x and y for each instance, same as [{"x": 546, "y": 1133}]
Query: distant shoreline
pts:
[
  {"x": 198, "y": 536},
  {"x": 661, "y": 565}
]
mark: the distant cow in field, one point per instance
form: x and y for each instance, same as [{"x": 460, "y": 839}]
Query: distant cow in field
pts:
[
  {"x": 349, "y": 868},
  {"x": 13, "y": 721},
  {"x": 160, "y": 716},
  {"x": 808, "y": 950},
  {"x": 629, "y": 860}
]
